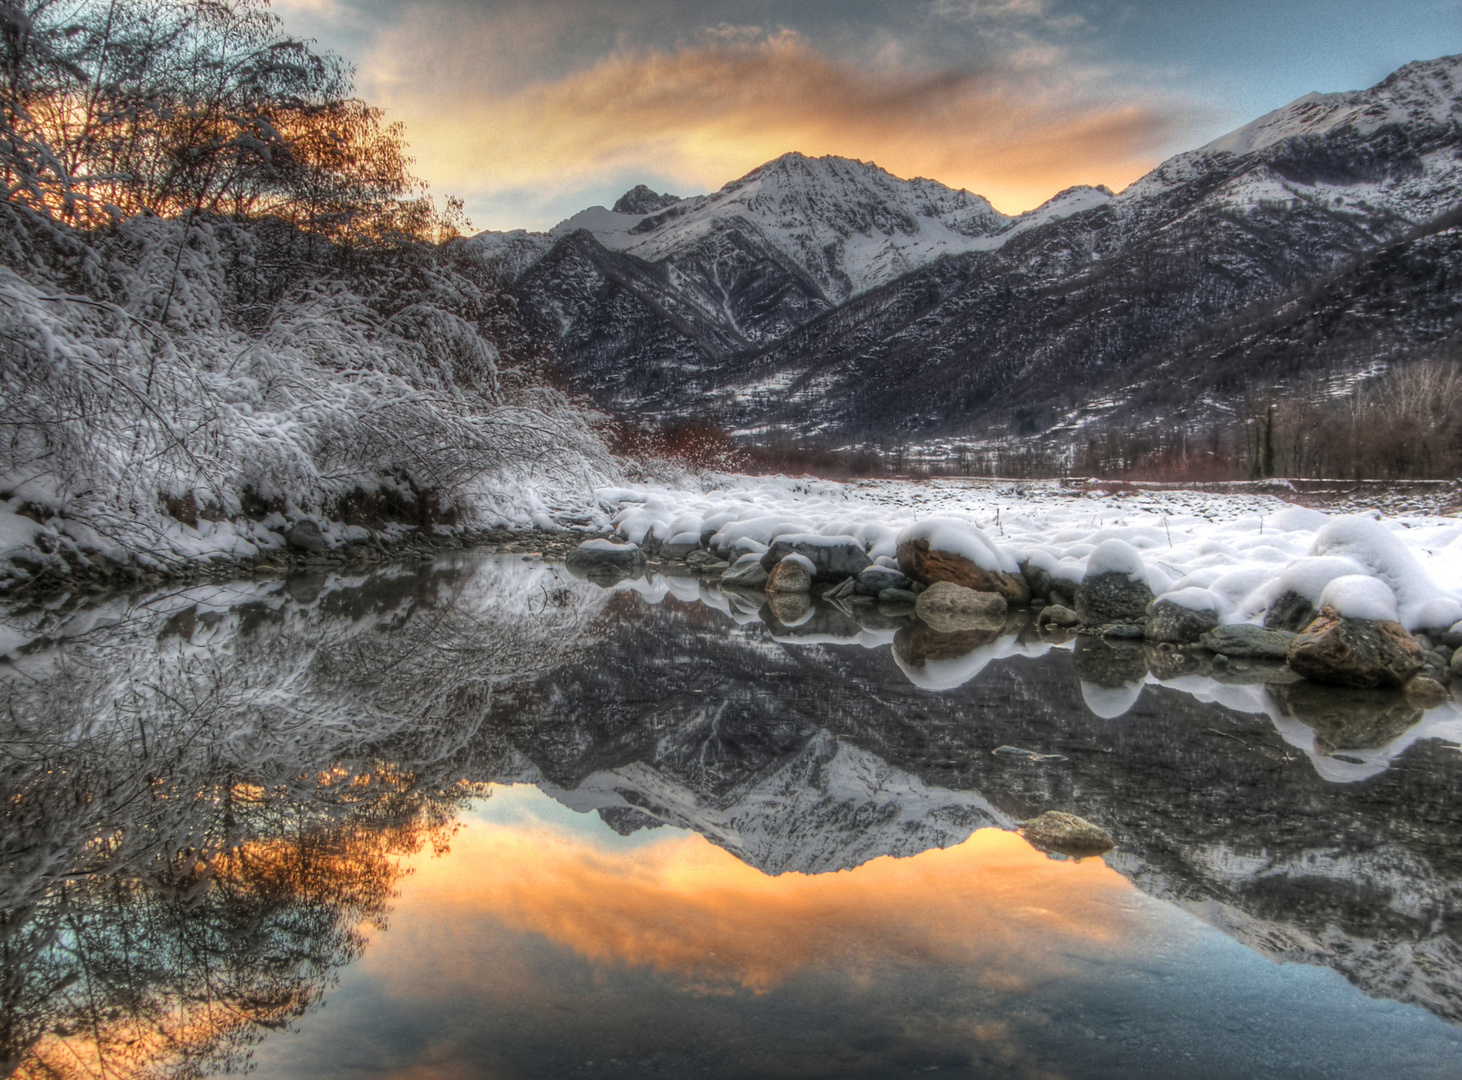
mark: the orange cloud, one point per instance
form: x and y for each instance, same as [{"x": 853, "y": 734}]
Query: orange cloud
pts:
[
  {"x": 707, "y": 112},
  {"x": 694, "y": 913}
]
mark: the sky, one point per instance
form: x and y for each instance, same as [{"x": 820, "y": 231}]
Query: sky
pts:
[{"x": 531, "y": 110}]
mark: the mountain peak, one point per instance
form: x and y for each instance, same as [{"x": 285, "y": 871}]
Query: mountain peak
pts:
[{"x": 643, "y": 200}]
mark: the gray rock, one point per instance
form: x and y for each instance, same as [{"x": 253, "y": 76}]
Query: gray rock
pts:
[
  {"x": 680, "y": 547},
  {"x": 898, "y": 596},
  {"x": 1291, "y": 612},
  {"x": 1067, "y": 834},
  {"x": 1124, "y": 631},
  {"x": 1039, "y": 581},
  {"x": 748, "y": 575},
  {"x": 1112, "y": 597},
  {"x": 1243, "y": 639},
  {"x": 950, "y": 608},
  {"x": 1167, "y": 621},
  {"x": 875, "y": 579},
  {"x": 1455, "y": 667},
  {"x": 305, "y": 535},
  {"x": 1057, "y": 615},
  {"x": 605, "y": 558},
  {"x": 833, "y": 557}
]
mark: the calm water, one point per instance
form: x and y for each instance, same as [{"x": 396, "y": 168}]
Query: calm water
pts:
[{"x": 478, "y": 819}]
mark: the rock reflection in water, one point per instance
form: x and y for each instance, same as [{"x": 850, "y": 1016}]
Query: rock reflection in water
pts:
[{"x": 209, "y": 792}]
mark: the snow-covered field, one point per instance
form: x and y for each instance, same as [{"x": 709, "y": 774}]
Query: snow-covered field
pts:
[{"x": 1229, "y": 553}]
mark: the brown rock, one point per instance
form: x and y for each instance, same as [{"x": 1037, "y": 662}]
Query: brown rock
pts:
[
  {"x": 918, "y": 644},
  {"x": 1067, "y": 834},
  {"x": 928, "y": 566},
  {"x": 791, "y": 575},
  {"x": 1355, "y": 652},
  {"x": 1425, "y": 693},
  {"x": 1347, "y": 719},
  {"x": 950, "y": 608}
]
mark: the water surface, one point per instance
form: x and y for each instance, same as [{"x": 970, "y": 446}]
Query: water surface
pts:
[{"x": 476, "y": 818}]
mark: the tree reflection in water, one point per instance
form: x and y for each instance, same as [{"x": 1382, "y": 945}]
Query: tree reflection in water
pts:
[{"x": 209, "y": 793}]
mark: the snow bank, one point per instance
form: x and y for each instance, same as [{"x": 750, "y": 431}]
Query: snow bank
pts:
[
  {"x": 1356, "y": 596},
  {"x": 1234, "y": 554}
]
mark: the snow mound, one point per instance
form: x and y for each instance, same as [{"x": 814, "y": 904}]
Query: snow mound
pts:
[
  {"x": 1116, "y": 557},
  {"x": 1357, "y": 596},
  {"x": 1193, "y": 598},
  {"x": 1383, "y": 554},
  {"x": 963, "y": 538}
]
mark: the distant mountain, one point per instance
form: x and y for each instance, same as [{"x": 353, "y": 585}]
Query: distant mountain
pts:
[{"x": 827, "y": 295}]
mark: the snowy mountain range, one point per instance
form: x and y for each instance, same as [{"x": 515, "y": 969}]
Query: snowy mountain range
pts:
[{"x": 823, "y": 294}]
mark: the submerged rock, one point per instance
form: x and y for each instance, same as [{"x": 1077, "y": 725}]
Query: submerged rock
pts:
[
  {"x": 606, "y": 558},
  {"x": 1112, "y": 597},
  {"x": 1246, "y": 640},
  {"x": 950, "y": 608},
  {"x": 1170, "y": 621},
  {"x": 1067, "y": 834},
  {"x": 1355, "y": 652},
  {"x": 1425, "y": 692}
]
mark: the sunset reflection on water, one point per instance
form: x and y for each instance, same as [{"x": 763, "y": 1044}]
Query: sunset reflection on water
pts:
[{"x": 695, "y": 914}]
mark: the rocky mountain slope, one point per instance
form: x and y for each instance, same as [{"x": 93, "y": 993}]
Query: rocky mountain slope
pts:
[{"x": 826, "y": 295}]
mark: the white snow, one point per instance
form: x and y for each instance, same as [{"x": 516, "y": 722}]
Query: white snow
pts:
[
  {"x": 1116, "y": 557},
  {"x": 961, "y": 537},
  {"x": 1359, "y": 597},
  {"x": 1193, "y": 598}
]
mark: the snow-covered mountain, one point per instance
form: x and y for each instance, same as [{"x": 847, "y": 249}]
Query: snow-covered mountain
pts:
[{"x": 782, "y": 298}]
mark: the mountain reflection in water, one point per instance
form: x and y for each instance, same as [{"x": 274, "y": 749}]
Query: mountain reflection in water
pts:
[{"x": 735, "y": 847}]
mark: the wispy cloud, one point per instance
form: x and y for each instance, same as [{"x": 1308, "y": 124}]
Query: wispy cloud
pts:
[{"x": 1016, "y": 128}]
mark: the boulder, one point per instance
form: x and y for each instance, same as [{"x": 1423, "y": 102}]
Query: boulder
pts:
[
  {"x": 1056, "y": 615},
  {"x": 1170, "y": 621},
  {"x": 746, "y": 575},
  {"x": 791, "y": 574},
  {"x": 305, "y": 535},
  {"x": 1291, "y": 612},
  {"x": 1067, "y": 834},
  {"x": 606, "y": 558},
  {"x": 949, "y": 608},
  {"x": 1355, "y": 652},
  {"x": 875, "y": 579},
  {"x": 929, "y": 566},
  {"x": 833, "y": 558},
  {"x": 1246, "y": 640},
  {"x": 1112, "y": 597},
  {"x": 1456, "y": 665}
]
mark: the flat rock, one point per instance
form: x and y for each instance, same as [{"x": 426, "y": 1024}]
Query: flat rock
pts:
[
  {"x": 949, "y": 608},
  {"x": 1112, "y": 597},
  {"x": 1067, "y": 834},
  {"x": 1168, "y": 621},
  {"x": 1246, "y": 640},
  {"x": 929, "y": 566},
  {"x": 1355, "y": 652}
]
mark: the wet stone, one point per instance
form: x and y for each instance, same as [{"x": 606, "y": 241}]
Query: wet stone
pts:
[
  {"x": 1067, "y": 834},
  {"x": 1245, "y": 640},
  {"x": 1112, "y": 597}
]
